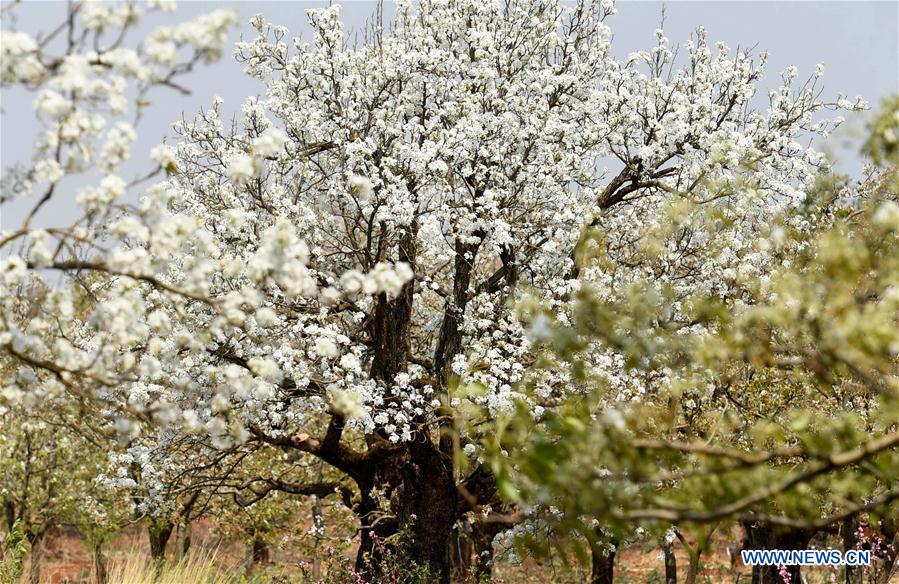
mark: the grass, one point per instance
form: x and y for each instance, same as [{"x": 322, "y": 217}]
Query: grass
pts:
[{"x": 199, "y": 568}]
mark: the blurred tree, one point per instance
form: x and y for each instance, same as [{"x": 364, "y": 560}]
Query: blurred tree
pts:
[{"x": 776, "y": 406}]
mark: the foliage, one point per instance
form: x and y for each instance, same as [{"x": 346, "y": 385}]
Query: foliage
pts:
[
  {"x": 12, "y": 558},
  {"x": 778, "y": 404},
  {"x": 883, "y": 144}
]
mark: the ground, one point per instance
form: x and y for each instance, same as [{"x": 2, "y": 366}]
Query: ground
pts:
[{"x": 68, "y": 560}]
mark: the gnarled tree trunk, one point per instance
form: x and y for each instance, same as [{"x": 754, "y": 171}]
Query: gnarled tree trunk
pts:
[
  {"x": 422, "y": 494},
  {"x": 418, "y": 480},
  {"x": 433, "y": 502}
]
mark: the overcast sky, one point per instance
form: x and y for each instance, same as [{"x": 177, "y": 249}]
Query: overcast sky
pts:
[{"x": 858, "y": 42}]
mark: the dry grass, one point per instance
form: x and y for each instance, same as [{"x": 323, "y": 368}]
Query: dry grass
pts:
[{"x": 199, "y": 568}]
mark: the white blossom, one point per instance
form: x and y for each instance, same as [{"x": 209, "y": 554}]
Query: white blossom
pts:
[
  {"x": 241, "y": 168},
  {"x": 270, "y": 142}
]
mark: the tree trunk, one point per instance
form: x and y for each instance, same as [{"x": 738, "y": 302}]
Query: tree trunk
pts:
[
  {"x": 670, "y": 561},
  {"x": 99, "y": 572},
  {"x": 694, "y": 553},
  {"x": 183, "y": 539},
  {"x": 692, "y": 568},
  {"x": 462, "y": 550},
  {"x": 890, "y": 564},
  {"x": 260, "y": 553},
  {"x": 762, "y": 536},
  {"x": 471, "y": 550},
  {"x": 848, "y": 529},
  {"x": 433, "y": 509},
  {"x": 418, "y": 483},
  {"x": 36, "y": 540},
  {"x": 603, "y": 565},
  {"x": 9, "y": 511},
  {"x": 159, "y": 534}
]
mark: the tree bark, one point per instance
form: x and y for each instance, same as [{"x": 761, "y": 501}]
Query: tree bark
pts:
[
  {"x": 183, "y": 539},
  {"x": 9, "y": 511},
  {"x": 891, "y": 566},
  {"x": 36, "y": 541},
  {"x": 423, "y": 504},
  {"x": 99, "y": 571},
  {"x": 471, "y": 550},
  {"x": 260, "y": 554},
  {"x": 603, "y": 566},
  {"x": 670, "y": 561},
  {"x": 418, "y": 481},
  {"x": 434, "y": 507},
  {"x": 159, "y": 534}
]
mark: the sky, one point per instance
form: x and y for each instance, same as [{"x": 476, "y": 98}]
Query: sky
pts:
[{"x": 857, "y": 41}]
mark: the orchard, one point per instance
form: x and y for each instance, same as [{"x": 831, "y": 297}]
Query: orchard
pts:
[{"x": 463, "y": 286}]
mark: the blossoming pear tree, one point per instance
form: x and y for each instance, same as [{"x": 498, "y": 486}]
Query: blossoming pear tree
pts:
[
  {"x": 92, "y": 83},
  {"x": 51, "y": 456},
  {"x": 333, "y": 272}
]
